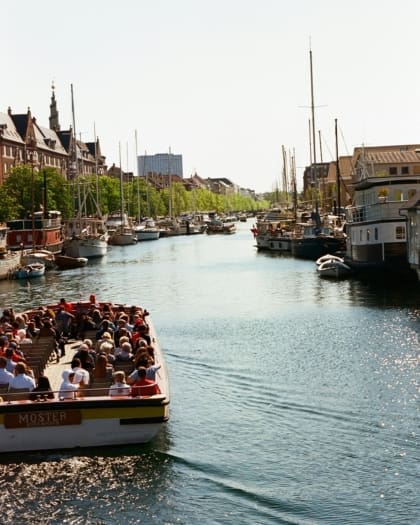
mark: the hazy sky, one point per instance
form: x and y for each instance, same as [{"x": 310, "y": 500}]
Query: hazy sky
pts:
[{"x": 225, "y": 83}]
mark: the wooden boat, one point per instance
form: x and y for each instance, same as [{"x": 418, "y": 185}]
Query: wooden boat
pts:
[
  {"x": 42, "y": 231},
  {"x": 92, "y": 418},
  {"x": 29, "y": 271},
  {"x": 64, "y": 262},
  {"x": 328, "y": 257},
  {"x": 38, "y": 256},
  {"x": 217, "y": 226},
  {"x": 86, "y": 237},
  {"x": 333, "y": 268}
]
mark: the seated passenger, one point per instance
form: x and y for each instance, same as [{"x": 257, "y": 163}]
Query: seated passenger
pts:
[
  {"x": 102, "y": 370},
  {"x": 67, "y": 388},
  {"x": 144, "y": 386},
  {"x": 22, "y": 379},
  {"x": 151, "y": 370},
  {"x": 124, "y": 353},
  {"x": 81, "y": 376},
  {"x": 42, "y": 390},
  {"x": 119, "y": 387},
  {"x": 5, "y": 375}
]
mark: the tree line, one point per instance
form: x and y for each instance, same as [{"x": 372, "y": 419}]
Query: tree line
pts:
[{"x": 27, "y": 190}]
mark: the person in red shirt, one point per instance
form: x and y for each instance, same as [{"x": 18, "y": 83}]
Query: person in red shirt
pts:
[
  {"x": 144, "y": 387},
  {"x": 68, "y": 307}
]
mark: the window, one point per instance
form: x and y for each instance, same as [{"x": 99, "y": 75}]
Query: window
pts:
[
  {"x": 393, "y": 170},
  {"x": 404, "y": 170},
  {"x": 361, "y": 235},
  {"x": 368, "y": 234},
  {"x": 376, "y": 234},
  {"x": 400, "y": 232}
]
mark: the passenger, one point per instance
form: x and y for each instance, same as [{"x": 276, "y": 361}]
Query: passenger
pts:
[
  {"x": 67, "y": 388},
  {"x": 22, "y": 337},
  {"x": 107, "y": 348},
  {"x": 87, "y": 361},
  {"x": 64, "y": 320},
  {"x": 124, "y": 353},
  {"x": 119, "y": 387},
  {"x": 31, "y": 330},
  {"x": 144, "y": 386},
  {"x": 10, "y": 362},
  {"x": 105, "y": 336},
  {"x": 81, "y": 376},
  {"x": 5, "y": 375},
  {"x": 42, "y": 390},
  {"x": 68, "y": 307},
  {"x": 22, "y": 379},
  {"x": 151, "y": 370},
  {"x": 102, "y": 368}
]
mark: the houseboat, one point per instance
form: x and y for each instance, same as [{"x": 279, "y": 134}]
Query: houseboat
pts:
[
  {"x": 41, "y": 231},
  {"x": 385, "y": 179}
]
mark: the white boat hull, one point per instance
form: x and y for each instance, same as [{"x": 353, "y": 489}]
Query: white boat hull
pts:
[
  {"x": 47, "y": 428},
  {"x": 147, "y": 235}
]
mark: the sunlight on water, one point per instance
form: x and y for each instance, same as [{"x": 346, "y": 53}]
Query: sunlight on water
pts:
[{"x": 294, "y": 399}]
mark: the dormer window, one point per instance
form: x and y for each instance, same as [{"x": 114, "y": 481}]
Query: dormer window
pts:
[
  {"x": 393, "y": 170},
  {"x": 404, "y": 170}
]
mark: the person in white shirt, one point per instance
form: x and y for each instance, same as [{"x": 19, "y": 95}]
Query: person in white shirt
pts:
[
  {"x": 67, "y": 388},
  {"x": 81, "y": 376},
  {"x": 5, "y": 375},
  {"x": 22, "y": 379},
  {"x": 120, "y": 387}
]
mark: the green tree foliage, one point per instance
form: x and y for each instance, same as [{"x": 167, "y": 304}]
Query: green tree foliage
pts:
[
  {"x": 23, "y": 191},
  {"x": 30, "y": 190}
]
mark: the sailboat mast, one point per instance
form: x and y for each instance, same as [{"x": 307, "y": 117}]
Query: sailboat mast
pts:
[
  {"x": 314, "y": 174},
  {"x": 138, "y": 179},
  {"x": 121, "y": 187},
  {"x": 170, "y": 183},
  {"x": 337, "y": 170},
  {"x": 74, "y": 152},
  {"x": 147, "y": 183}
]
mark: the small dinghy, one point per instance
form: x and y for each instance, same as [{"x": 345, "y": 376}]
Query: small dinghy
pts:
[
  {"x": 64, "y": 262},
  {"x": 333, "y": 269},
  {"x": 29, "y": 271}
]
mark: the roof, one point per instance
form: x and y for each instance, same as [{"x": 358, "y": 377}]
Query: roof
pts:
[
  {"x": 9, "y": 131},
  {"x": 52, "y": 140}
]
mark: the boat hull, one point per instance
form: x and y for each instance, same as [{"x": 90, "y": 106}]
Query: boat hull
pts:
[
  {"x": 28, "y": 426},
  {"x": 87, "y": 248},
  {"x": 314, "y": 247}
]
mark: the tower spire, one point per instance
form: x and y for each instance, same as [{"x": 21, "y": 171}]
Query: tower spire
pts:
[{"x": 54, "y": 123}]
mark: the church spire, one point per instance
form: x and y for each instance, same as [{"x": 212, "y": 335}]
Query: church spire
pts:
[{"x": 54, "y": 123}]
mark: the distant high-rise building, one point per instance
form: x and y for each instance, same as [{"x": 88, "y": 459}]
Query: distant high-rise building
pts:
[{"x": 160, "y": 164}]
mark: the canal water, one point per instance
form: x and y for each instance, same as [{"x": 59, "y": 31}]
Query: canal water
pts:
[{"x": 294, "y": 400}]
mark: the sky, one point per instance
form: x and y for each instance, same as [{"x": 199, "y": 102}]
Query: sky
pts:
[{"x": 224, "y": 83}]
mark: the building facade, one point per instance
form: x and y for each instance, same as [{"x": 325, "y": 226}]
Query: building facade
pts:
[{"x": 160, "y": 164}]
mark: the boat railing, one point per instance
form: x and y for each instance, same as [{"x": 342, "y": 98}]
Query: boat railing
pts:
[
  {"x": 24, "y": 395},
  {"x": 374, "y": 212}
]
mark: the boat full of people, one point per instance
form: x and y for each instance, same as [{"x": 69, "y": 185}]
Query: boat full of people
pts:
[{"x": 86, "y": 374}]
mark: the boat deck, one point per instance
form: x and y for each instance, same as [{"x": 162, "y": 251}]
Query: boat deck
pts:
[{"x": 54, "y": 370}]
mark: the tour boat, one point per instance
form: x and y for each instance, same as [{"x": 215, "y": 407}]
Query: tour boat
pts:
[{"x": 90, "y": 419}]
